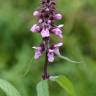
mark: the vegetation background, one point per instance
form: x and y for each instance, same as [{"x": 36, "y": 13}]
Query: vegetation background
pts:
[{"x": 17, "y": 64}]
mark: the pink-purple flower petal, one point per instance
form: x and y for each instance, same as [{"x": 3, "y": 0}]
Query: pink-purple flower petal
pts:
[
  {"x": 36, "y": 13},
  {"x": 35, "y": 28},
  {"x": 50, "y": 55},
  {"x": 45, "y": 33},
  {"x": 57, "y": 32},
  {"x": 37, "y": 52},
  {"x": 58, "y": 17}
]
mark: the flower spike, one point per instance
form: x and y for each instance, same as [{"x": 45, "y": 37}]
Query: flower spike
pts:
[{"x": 46, "y": 16}]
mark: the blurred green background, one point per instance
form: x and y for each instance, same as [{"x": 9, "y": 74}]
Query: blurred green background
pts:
[{"x": 17, "y": 63}]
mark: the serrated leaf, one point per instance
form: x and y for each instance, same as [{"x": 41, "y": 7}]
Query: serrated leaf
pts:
[
  {"x": 9, "y": 89},
  {"x": 42, "y": 88},
  {"x": 64, "y": 83}
]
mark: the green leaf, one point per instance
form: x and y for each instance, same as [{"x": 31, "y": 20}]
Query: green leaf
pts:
[
  {"x": 64, "y": 83},
  {"x": 67, "y": 59},
  {"x": 8, "y": 88},
  {"x": 42, "y": 88},
  {"x": 64, "y": 57}
]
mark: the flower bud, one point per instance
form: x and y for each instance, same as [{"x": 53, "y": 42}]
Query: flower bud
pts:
[
  {"x": 36, "y": 13},
  {"x": 58, "y": 17},
  {"x": 40, "y": 20}
]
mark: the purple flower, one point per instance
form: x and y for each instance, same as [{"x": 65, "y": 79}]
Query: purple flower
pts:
[
  {"x": 56, "y": 47},
  {"x": 45, "y": 33},
  {"x": 38, "y": 51},
  {"x": 52, "y": 51},
  {"x": 46, "y": 16},
  {"x": 50, "y": 55},
  {"x": 36, "y": 13},
  {"x": 58, "y": 17},
  {"x": 57, "y": 32},
  {"x": 35, "y": 28}
]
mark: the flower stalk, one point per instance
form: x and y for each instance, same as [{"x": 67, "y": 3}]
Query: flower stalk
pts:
[
  {"x": 45, "y": 74},
  {"x": 46, "y": 16}
]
